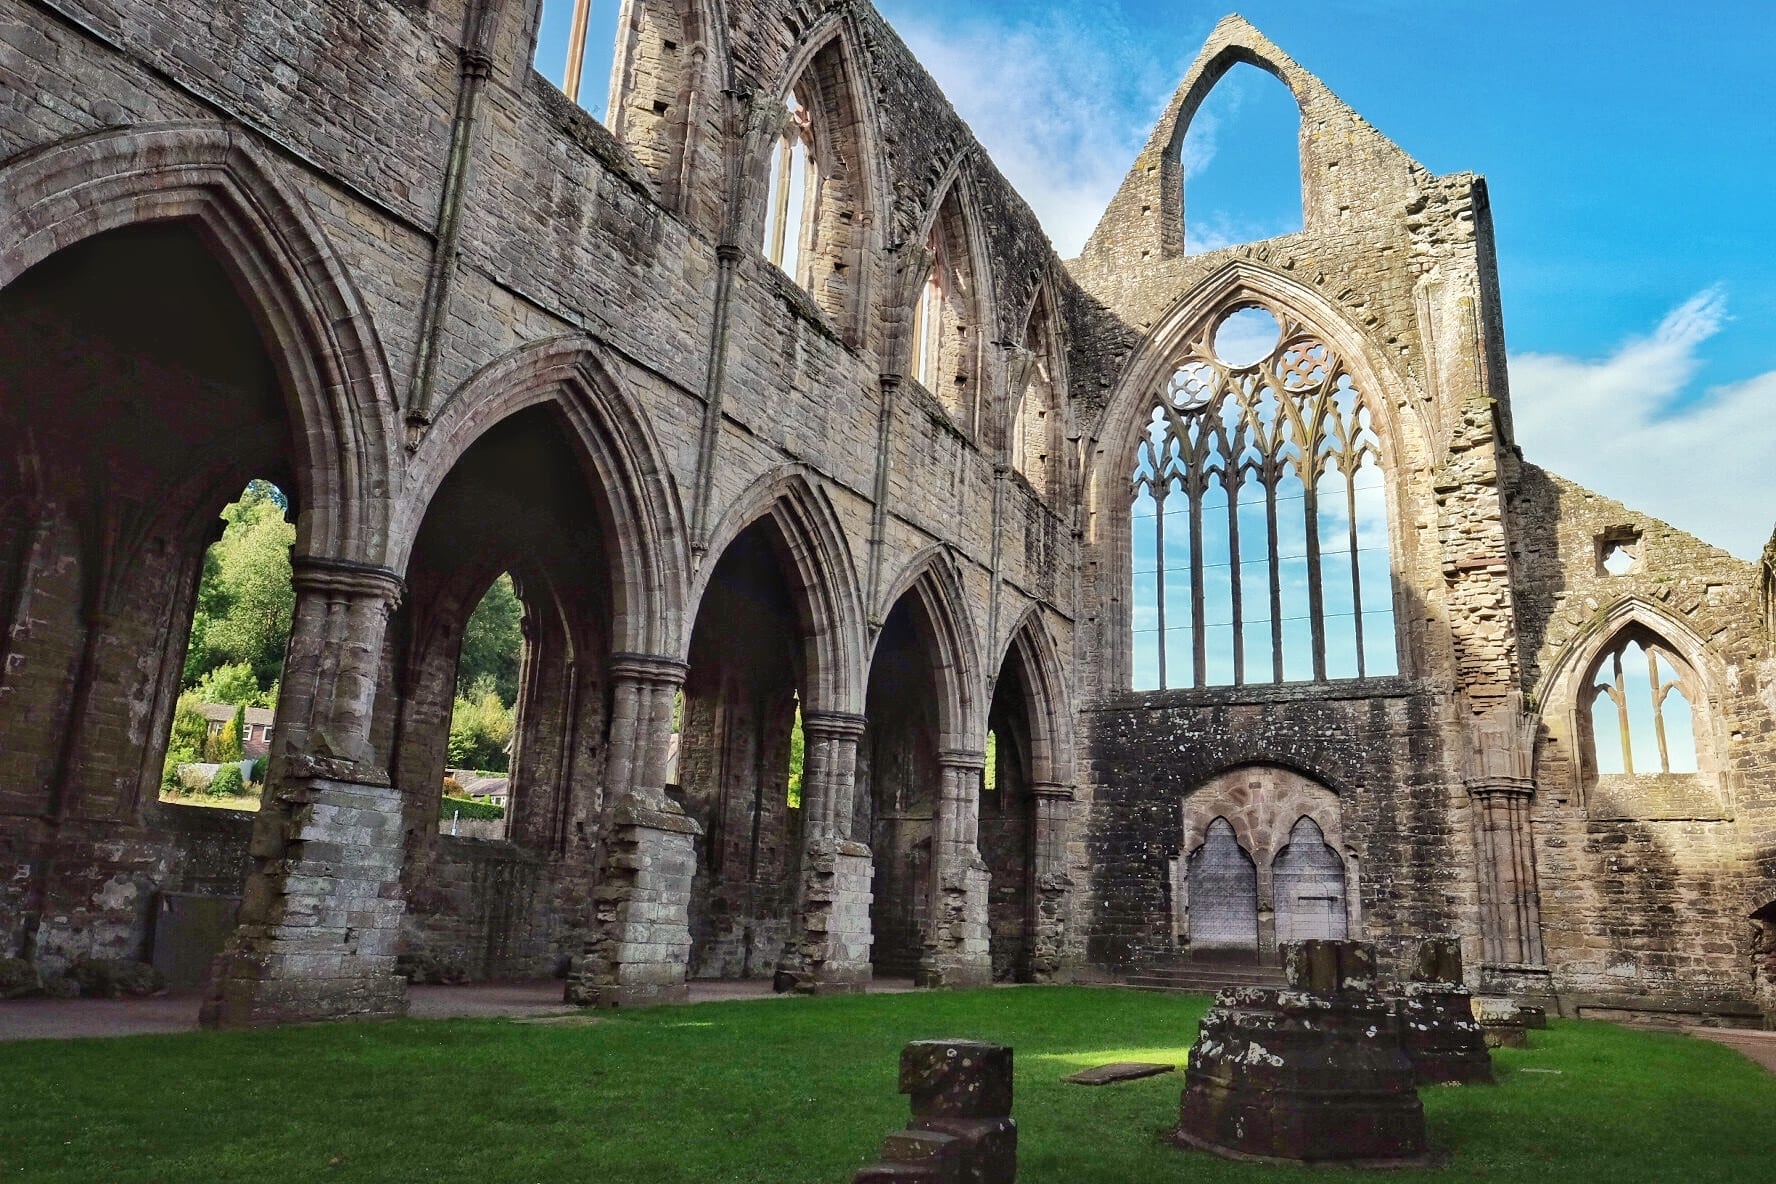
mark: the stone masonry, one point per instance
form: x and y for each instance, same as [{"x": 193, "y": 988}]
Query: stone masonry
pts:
[{"x": 471, "y": 330}]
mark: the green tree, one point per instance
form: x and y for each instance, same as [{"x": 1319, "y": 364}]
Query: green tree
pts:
[
  {"x": 246, "y": 600},
  {"x": 480, "y": 729},
  {"x": 797, "y": 755},
  {"x": 233, "y": 684},
  {"x": 228, "y": 741},
  {"x": 493, "y": 641},
  {"x": 190, "y": 728}
]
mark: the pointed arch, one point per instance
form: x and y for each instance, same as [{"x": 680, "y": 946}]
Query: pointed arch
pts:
[
  {"x": 942, "y": 304},
  {"x": 635, "y": 488},
  {"x": 1137, "y": 408},
  {"x": 819, "y": 101},
  {"x": 1032, "y": 645},
  {"x": 817, "y": 559},
  {"x": 934, "y": 584},
  {"x": 1038, "y": 421},
  {"x": 328, "y": 355}
]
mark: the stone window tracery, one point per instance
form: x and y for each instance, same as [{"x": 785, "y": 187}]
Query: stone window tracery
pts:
[
  {"x": 1642, "y": 717},
  {"x": 1259, "y": 525}
]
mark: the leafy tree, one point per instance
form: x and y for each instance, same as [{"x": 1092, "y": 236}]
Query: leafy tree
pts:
[
  {"x": 190, "y": 729},
  {"x": 480, "y": 729},
  {"x": 493, "y": 641},
  {"x": 990, "y": 776},
  {"x": 228, "y": 783},
  {"x": 797, "y": 754},
  {"x": 228, "y": 741},
  {"x": 246, "y": 600},
  {"x": 233, "y": 684}
]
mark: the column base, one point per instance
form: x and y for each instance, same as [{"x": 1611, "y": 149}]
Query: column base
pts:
[
  {"x": 830, "y": 954},
  {"x": 958, "y": 952},
  {"x": 322, "y": 913}
]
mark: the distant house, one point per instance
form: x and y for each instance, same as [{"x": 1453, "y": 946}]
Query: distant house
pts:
[
  {"x": 255, "y": 736},
  {"x": 496, "y": 791}
]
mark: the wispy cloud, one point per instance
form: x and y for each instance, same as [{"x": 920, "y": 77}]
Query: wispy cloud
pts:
[
  {"x": 1062, "y": 96},
  {"x": 1629, "y": 426}
]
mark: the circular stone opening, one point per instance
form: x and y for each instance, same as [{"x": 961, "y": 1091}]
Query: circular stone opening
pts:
[{"x": 1246, "y": 337}]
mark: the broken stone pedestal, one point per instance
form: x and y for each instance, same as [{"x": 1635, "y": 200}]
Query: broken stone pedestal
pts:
[
  {"x": 1502, "y": 1021},
  {"x": 1311, "y": 1073},
  {"x": 1437, "y": 1024},
  {"x": 961, "y": 1131}
]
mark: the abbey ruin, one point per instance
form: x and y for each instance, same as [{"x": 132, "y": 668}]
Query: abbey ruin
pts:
[{"x": 776, "y": 403}]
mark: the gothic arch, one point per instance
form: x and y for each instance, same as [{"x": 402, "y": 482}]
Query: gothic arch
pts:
[
  {"x": 329, "y": 358},
  {"x": 934, "y": 582},
  {"x": 1104, "y": 489},
  {"x": 1563, "y": 693},
  {"x": 948, "y": 238},
  {"x": 646, "y": 526},
  {"x": 1051, "y": 739},
  {"x": 825, "y": 67},
  {"x": 824, "y": 580},
  {"x": 1039, "y": 369}
]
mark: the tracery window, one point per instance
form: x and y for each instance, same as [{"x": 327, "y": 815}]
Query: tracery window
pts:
[
  {"x": 1642, "y": 717},
  {"x": 790, "y": 215},
  {"x": 1259, "y": 526}
]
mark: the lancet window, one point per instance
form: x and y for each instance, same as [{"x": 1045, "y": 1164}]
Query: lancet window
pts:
[
  {"x": 1642, "y": 718},
  {"x": 928, "y": 316},
  {"x": 790, "y": 220},
  {"x": 1259, "y": 526}
]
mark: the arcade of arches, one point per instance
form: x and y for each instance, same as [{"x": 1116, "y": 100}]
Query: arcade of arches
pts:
[{"x": 888, "y": 597}]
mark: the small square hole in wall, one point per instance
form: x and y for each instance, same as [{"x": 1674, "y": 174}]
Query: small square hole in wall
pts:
[{"x": 1618, "y": 551}]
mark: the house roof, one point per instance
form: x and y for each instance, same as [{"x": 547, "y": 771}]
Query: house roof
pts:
[{"x": 223, "y": 712}]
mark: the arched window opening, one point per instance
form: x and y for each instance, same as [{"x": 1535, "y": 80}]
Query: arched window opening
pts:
[
  {"x": 484, "y": 715},
  {"x": 791, "y": 216},
  {"x": 1008, "y": 825},
  {"x": 576, "y": 49},
  {"x": 1036, "y": 440},
  {"x": 1307, "y": 879},
  {"x": 1223, "y": 886},
  {"x": 1642, "y": 718},
  {"x": 222, "y": 724},
  {"x": 1258, "y": 518},
  {"x": 944, "y": 346},
  {"x": 1242, "y": 163}
]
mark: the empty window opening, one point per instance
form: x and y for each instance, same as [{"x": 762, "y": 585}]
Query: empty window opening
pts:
[
  {"x": 1258, "y": 523},
  {"x": 484, "y": 715},
  {"x": 222, "y": 724},
  {"x": 576, "y": 46},
  {"x": 1619, "y": 551},
  {"x": 1036, "y": 437},
  {"x": 928, "y": 318},
  {"x": 1242, "y": 163},
  {"x": 790, "y": 224},
  {"x": 944, "y": 352},
  {"x": 1642, "y": 717}
]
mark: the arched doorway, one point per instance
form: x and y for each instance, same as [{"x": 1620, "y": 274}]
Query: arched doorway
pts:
[
  {"x": 1223, "y": 893},
  {"x": 1307, "y": 880}
]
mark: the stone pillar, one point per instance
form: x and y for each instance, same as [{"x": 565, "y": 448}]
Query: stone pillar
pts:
[
  {"x": 640, "y": 939},
  {"x": 829, "y": 951},
  {"x": 1437, "y": 1024},
  {"x": 961, "y": 1131},
  {"x": 1500, "y": 780},
  {"x": 957, "y": 943},
  {"x": 1048, "y": 938},
  {"x": 322, "y": 910}
]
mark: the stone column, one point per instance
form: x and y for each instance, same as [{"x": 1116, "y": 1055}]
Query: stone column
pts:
[
  {"x": 322, "y": 911},
  {"x": 829, "y": 952},
  {"x": 957, "y": 950},
  {"x": 640, "y": 939},
  {"x": 1048, "y": 937},
  {"x": 1500, "y": 779}
]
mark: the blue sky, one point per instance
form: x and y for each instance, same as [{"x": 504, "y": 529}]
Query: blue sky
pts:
[{"x": 1630, "y": 149}]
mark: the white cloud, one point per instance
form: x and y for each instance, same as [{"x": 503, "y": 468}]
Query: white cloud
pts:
[
  {"x": 1050, "y": 96},
  {"x": 1627, "y": 426}
]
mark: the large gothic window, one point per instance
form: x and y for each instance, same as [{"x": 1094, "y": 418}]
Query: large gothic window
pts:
[{"x": 1259, "y": 524}]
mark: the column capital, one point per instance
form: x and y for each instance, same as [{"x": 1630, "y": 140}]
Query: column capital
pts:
[
  {"x": 1496, "y": 786},
  {"x": 1053, "y": 789},
  {"x": 961, "y": 758},
  {"x": 649, "y": 668},
  {"x": 343, "y": 577},
  {"x": 833, "y": 725}
]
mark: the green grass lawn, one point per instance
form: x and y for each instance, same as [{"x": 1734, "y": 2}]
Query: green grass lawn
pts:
[{"x": 788, "y": 1091}]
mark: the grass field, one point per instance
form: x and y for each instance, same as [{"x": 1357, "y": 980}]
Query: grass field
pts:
[{"x": 801, "y": 1091}]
